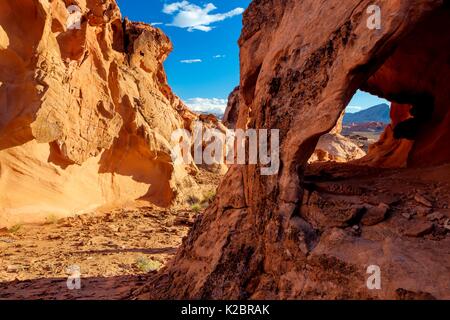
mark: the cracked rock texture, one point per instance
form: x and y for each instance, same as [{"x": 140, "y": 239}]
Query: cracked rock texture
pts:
[{"x": 300, "y": 234}]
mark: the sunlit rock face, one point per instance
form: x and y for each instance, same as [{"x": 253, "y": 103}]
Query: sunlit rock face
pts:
[
  {"x": 333, "y": 146},
  {"x": 86, "y": 114},
  {"x": 294, "y": 236}
]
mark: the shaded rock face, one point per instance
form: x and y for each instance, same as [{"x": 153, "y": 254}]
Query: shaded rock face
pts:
[
  {"x": 232, "y": 111},
  {"x": 86, "y": 114},
  {"x": 414, "y": 79},
  {"x": 262, "y": 237},
  {"x": 391, "y": 151}
]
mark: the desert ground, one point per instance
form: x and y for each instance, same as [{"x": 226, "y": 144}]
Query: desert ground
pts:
[{"x": 118, "y": 252}]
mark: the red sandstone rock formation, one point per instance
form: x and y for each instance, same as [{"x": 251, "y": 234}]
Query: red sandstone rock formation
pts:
[
  {"x": 390, "y": 152},
  {"x": 331, "y": 146},
  {"x": 286, "y": 237},
  {"x": 414, "y": 77},
  {"x": 86, "y": 115}
]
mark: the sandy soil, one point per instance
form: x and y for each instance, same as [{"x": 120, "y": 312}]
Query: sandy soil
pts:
[{"x": 116, "y": 252}]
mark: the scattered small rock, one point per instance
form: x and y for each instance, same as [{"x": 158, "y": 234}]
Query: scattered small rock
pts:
[
  {"x": 403, "y": 294},
  {"x": 183, "y": 221},
  {"x": 422, "y": 200},
  {"x": 435, "y": 216},
  {"x": 12, "y": 269},
  {"x": 54, "y": 237},
  {"x": 375, "y": 215},
  {"x": 419, "y": 229},
  {"x": 148, "y": 214},
  {"x": 112, "y": 244},
  {"x": 356, "y": 230},
  {"x": 108, "y": 218},
  {"x": 422, "y": 211},
  {"x": 67, "y": 224},
  {"x": 113, "y": 228},
  {"x": 170, "y": 222},
  {"x": 447, "y": 224},
  {"x": 406, "y": 215},
  {"x": 6, "y": 240}
]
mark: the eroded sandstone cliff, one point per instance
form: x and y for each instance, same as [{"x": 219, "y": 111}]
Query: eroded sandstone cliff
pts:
[{"x": 86, "y": 113}]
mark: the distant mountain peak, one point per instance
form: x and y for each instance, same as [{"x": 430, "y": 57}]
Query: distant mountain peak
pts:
[{"x": 377, "y": 113}]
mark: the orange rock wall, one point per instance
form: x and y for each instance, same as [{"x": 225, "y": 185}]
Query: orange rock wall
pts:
[{"x": 86, "y": 114}]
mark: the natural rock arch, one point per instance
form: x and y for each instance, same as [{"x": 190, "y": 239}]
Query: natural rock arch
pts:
[{"x": 301, "y": 62}]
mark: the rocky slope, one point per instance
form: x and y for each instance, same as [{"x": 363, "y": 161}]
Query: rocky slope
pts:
[
  {"x": 378, "y": 113},
  {"x": 295, "y": 236},
  {"x": 86, "y": 114}
]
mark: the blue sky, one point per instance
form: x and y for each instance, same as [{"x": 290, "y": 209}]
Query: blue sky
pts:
[
  {"x": 363, "y": 100},
  {"x": 204, "y": 65},
  {"x": 210, "y": 81}
]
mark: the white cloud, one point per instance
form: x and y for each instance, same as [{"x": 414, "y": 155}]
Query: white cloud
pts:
[
  {"x": 189, "y": 61},
  {"x": 192, "y": 17},
  {"x": 353, "y": 109},
  {"x": 174, "y": 7},
  {"x": 206, "y": 105},
  {"x": 219, "y": 56},
  {"x": 156, "y": 23}
]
